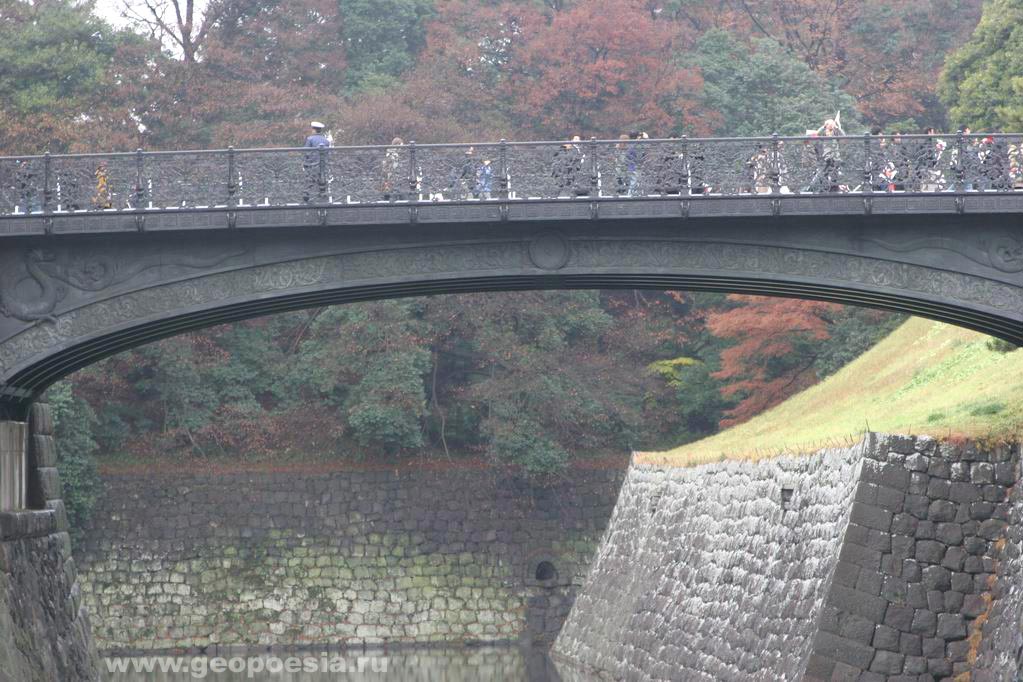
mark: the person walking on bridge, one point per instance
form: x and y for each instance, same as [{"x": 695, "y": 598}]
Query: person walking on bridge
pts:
[
  {"x": 311, "y": 163},
  {"x": 827, "y": 156}
]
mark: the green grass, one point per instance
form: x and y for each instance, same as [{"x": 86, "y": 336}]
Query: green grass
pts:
[{"x": 925, "y": 378}]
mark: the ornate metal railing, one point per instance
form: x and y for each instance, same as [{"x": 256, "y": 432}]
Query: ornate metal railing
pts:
[{"x": 589, "y": 170}]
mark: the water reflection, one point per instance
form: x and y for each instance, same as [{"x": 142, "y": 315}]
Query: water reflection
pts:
[{"x": 484, "y": 664}]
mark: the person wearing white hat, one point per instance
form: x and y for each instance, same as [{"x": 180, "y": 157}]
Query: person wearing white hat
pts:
[
  {"x": 317, "y": 139},
  {"x": 311, "y": 164}
]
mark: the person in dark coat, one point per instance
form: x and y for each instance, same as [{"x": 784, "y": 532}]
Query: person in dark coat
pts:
[{"x": 311, "y": 163}]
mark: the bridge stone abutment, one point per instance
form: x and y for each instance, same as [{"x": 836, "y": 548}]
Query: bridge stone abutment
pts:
[
  {"x": 44, "y": 630},
  {"x": 67, "y": 300},
  {"x": 895, "y": 560}
]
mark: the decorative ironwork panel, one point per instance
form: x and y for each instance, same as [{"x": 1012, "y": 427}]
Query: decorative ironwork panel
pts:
[
  {"x": 918, "y": 164},
  {"x": 95, "y": 183},
  {"x": 823, "y": 165},
  {"x": 369, "y": 174},
  {"x": 728, "y": 167},
  {"x": 604, "y": 172},
  {"x": 994, "y": 163},
  {"x": 458, "y": 173},
  {"x": 21, "y": 185},
  {"x": 186, "y": 180},
  {"x": 618, "y": 168},
  {"x": 581, "y": 170},
  {"x": 275, "y": 178},
  {"x": 655, "y": 168},
  {"x": 1014, "y": 148},
  {"x": 547, "y": 171}
]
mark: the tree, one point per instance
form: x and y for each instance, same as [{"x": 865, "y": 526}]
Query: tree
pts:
[
  {"x": 258, "y": 72},
  {"x": 54, "y": 57},
  {"x": 298, "y": 43},
  {"x": 885, "y": 54},
  {"x": 74, "y": 422},
  {"x": 383, "y": 38},
  {"x": 602, "y": 68},
  {"x": 782, "y": 346},
  {"x": 763, "y": 88},
  {"x": 982, "y": 83},
  {"x": 776, "y": 350},
  {"x": 545, "y": 372},
  {"x": 182, "y": 25},
  {"x": 459, "y": 86}
]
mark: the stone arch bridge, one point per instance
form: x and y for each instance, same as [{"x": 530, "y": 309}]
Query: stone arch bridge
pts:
[{"x": 100, "y": 253}]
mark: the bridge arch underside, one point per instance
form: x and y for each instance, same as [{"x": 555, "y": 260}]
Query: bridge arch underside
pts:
[{"x": 68, "y": 301}]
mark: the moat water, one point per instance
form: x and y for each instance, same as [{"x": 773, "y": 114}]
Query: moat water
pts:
[{"x": 477, "y": 664}]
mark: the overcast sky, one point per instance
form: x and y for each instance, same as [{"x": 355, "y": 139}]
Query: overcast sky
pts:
[{"x": 111, "y": 9}]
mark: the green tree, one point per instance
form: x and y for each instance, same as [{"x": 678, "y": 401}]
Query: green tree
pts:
[
  {"x": 765, "y": 89},
  {"x": 55, "y": 58},
  {"x": 982, "y": 83},
  {"x": 382, "y": 38},
  {"x": 53, "y": 55},
  {"x": 74, "y": 421}
]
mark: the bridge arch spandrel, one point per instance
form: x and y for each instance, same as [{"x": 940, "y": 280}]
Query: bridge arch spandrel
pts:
[{"x": 68, "y": 301}]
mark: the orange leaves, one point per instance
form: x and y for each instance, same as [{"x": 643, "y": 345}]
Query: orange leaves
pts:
[
  {"x": 773, "y": 357},
  {"x": 602, "y": 68}
]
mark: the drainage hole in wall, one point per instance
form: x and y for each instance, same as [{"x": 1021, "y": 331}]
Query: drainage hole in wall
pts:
[{"x": 545, "y": 571}]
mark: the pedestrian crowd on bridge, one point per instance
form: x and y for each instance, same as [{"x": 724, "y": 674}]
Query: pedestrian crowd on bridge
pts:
[
  {"x": 825, "y": 161},
  {"x": 895, "y": 163}
]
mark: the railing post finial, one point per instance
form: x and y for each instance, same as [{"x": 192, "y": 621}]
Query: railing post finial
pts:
[
  {"x": 232, "y": 185},
  {"x": 775, "y": 164},
  {"x": 960, "y": 169},
  {"x": 413, "y": 180},
  {"x": 140, "y": 190},
  {"x": 503, "y": 180},
  {"x": 687, "y": 168},
  {"x": 321, "y": 179},
  {"x": 868, "y": 163},
  {"x": 47, "y": 191}
]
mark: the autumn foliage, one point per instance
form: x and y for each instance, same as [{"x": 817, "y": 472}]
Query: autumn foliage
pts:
[
  {"x": 771, "y": 359},
  {"x": 510, "y": 376},
  {"x": 602, "y": 67},
  {"x": 254, "y": 72}
]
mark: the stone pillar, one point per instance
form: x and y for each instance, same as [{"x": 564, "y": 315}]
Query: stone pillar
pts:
[
  {"x": 44, "y": 629},
  {"x": 44, "y": 488},
  {"x": 13, "y": 466}
]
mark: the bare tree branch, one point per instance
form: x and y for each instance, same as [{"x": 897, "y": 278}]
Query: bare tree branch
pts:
[{"x": 182, "y": 31}]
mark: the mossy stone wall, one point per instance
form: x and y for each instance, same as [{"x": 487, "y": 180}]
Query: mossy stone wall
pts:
[{"x": 196, "y": 560}]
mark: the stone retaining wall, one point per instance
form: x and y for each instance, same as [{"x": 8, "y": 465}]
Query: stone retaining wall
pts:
[
  {"x": 1000, "y": 656},
  {"x": 44, "y": 632},
  {"x": 918, "y": 563},
  {"x": 195, "y": 560},
  {"x": 882, "y": 563},
  {"x": 706, "y": 575}
]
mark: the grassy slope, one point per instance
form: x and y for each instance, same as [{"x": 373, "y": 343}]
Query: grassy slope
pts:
[{"x": 925, "y": 378}]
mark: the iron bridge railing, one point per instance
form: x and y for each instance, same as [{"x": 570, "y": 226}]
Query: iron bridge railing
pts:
[{"x": 590, "y": 170}]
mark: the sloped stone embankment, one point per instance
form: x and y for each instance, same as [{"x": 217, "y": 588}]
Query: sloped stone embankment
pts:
[{"x": 892, "y": 560}]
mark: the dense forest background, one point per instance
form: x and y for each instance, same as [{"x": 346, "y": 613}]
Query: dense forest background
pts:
[{"x": 527, "y": 379}]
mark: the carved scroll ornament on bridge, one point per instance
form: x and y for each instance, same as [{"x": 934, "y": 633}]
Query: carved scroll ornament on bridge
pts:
[
  {"x": 36, "y": 281},
  {"x": 1003, "y": 252}
]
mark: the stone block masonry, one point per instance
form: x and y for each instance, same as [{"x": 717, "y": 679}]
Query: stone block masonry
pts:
[
  {"x": 919, "y": 563},
  {"x": 705, "y": 575},
  {"x": 44, "y": 631},
  {"x": 890, "y": 561},
  {"x": 201, "y": 560}
]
